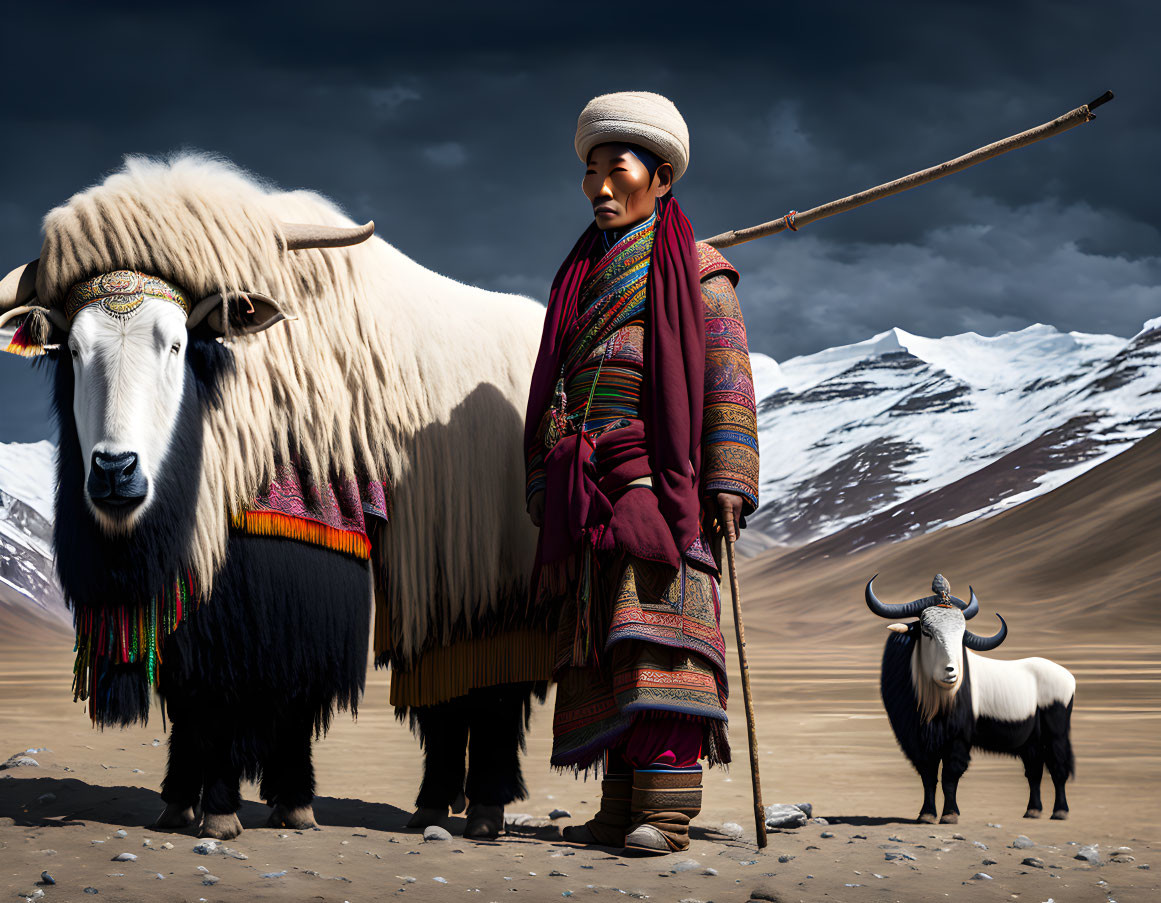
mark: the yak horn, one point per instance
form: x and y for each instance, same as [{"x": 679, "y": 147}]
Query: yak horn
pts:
[
  {"x": 19, "y": 286},
  {"x": 905, "y": 610},
  {"x": 986, "y": 643},
  {"x": 299, "y": 237},
  {"x": 971, "y": 608}
]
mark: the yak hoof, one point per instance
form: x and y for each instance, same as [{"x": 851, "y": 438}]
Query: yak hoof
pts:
[
  {"x": 426, "y": 816},
  {"x": 1060, "y": 815},
  {"x": 299, "y": 817},
  {"x": 484, "y": 822},
  {"x": 949, "y": 818},
  {"x": 1033, "y": 813},
  {"x": 174, "y": 816},
  {"x": 927, "y": 818},
  {"x": 221, "y": 827}
]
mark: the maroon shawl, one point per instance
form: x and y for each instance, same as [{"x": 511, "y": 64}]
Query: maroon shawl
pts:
[{"x": 577, "y": 500}]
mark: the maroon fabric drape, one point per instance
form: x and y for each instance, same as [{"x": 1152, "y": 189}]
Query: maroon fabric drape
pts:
[{"x": 661, "y": 525}]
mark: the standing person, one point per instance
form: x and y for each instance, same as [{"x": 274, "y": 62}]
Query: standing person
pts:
[{"x": 640, "y": 427}]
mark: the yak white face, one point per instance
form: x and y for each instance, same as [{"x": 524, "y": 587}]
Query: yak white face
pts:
[
  {"x": 940, "y": 654},
  {"x": 129, "y": 380}
]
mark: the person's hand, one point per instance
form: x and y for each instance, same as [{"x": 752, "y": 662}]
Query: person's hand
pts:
[
  {"x": 536, "y": 508},
  {"x": 733, "y": 503}
]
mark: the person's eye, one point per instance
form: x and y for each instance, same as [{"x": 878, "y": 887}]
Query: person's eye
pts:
[
  {"x": 590, "y": 172},
  {"x": 620, "y": 169}
]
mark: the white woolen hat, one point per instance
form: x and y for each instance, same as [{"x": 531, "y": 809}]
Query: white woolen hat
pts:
[{"x": 635, "y": 117}]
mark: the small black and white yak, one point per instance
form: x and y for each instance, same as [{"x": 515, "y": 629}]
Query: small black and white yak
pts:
[
  {"x": 253, "y": 624},
  {"x": 943, "y": 700}
]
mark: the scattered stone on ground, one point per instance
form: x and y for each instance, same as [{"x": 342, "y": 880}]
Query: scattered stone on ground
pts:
[
  {"x": 826, "y": 835},
  {"x": 1033, "y": 861},
  {"x": 120, "y": 832},
  {"x": 784, "y": 815},
  {"x": 1023, "y": 842},
  {"x": 20, "y": 761},
  {"x": 989, "y": 862},
  {"x": 435, "y": 833},
  {"x": 1090, "y": 853},
  {"x": 125, "y": 857},
  {"x": 711, "y": 872},
  {"x": 981, "y": 876},
  {"x": 210, "y": 879},
  {"x": 559, "y": 813},
  {"x": 732, "y": 829},
  {"x": 206, "y": 847},
  {"x": 47, "y": 879}
]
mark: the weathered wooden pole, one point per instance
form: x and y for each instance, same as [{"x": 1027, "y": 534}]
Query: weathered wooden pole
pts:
[
  {"x": 795, "y": 220},
  {"x": 747, "y": 699}
]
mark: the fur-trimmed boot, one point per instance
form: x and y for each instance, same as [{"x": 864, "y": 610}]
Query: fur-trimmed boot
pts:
[
  {"x": 665, "y": 801},
  {"x": 608, "y": 827}
]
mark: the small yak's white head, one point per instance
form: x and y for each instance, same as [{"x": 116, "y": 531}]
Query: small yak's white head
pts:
[{"x": 940, "y": 634}]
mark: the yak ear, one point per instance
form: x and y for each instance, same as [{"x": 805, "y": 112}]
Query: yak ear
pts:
[
  {"x": 248, "y": 312},
  {"x": 899, "y": 628}
]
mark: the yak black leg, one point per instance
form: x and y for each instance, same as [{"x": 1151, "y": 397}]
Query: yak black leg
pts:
[
  {"x": 221, "y": 797},
  {"x": 182, "y": 785},
  {"x": 1059, "y": 768},
  {"x": 443, "y": 731},
  {"x": 288, "y": 778},
  {"x": 955, "y": 763},
  {"x": 928, "y": 773},
  {"x": 1033, "y": 771},
  {"x": 494, "y": 777},
  {"x": 1058, "y": 753}
]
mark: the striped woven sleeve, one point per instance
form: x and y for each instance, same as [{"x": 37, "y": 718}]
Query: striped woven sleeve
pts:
[{"x": 729, "y": 458}]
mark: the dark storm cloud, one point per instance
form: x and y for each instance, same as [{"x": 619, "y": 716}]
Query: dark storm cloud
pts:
[{"x": 451, "y": 125}]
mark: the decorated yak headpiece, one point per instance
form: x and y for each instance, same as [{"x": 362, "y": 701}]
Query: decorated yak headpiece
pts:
[
  {"x": 944, "y": 599},
  {"x": 639, "y": 118},
  {"x": 120, "y": 293}
]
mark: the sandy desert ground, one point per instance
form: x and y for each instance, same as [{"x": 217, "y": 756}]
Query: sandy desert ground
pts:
[{"x": 1076, "y": 573}]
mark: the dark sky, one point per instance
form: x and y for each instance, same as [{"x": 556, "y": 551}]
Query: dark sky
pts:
[{"x": 451, "y": 125}]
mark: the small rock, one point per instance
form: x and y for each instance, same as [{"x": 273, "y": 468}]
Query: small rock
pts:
[
  {"x": 1089, "y": 853},
  {"x": 206, "y": 847},
  {"x": 210, "y": 880},
  {"x": 826, "y": 835},
  {"x": 1033, "y": 862},
  {"x": 782, "y": 815},
  {"x": 982, "y": 846},
  {"x": 46, "y": 879},
  {"x": 1122, "y": 857},
  {"x": 732, "y": 829},
  {"x": 1143, "y": 867},
  {"x": 555, "y": 874},
  {"x": 807, "y": 808},
  {"x": 1022, "y": 843},
  {"x": 559, "y": 813},
  {"x": 819, "y": 821},
  {"x": 858, "y": 837},
  {"x": 895, "y": 838},
  {"x": 19, "y": 761},
  {"x": 435, "y": 832},
  {"x": 160, "y": 877},
  {"x": 958, "y": 837},
  {"x": 766, "y": 892},
  {"x": 156, "y": 742},
  {"x": 120, "y": 832},
  {"x": 203, "y": 869},
  {"x": 989, "y": 862},
  {"x": 711, "y": 872},
  {"x": 899, "y": 854},
  {"x": 167, "y": 846},
  {"x": 981, "y": 876},
  {"x": 125, "y": 857},
  {"x": 685, "y": 865},
  {"x": 274, "y": 874},
  {"x": 439, "y": 880},
  {"x": 785, "y": 857},
  {"x": 990, "y": 825},
  {"x": 91, "y": 890}
]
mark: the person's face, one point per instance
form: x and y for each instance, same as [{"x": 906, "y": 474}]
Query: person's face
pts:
[{"x": 618, "y": 185}]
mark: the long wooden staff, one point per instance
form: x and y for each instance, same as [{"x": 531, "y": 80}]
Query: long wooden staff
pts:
[
  {"x": 740, "y": 632},
  {"x": 794, "y": 220}
]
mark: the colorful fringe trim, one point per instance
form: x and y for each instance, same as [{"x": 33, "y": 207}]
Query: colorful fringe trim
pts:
[
  {"x": 273, "y": 523},
  {"x": 126, "y": 635},
  {"x": 20, "y": 344},
  {"x": 450, "y": 671}
]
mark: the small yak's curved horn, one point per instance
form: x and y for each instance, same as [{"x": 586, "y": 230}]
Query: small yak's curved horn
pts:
[
  {"x": 300, "y": 236},
  {"x": 905, "y": 610},
  {"x": 19, "y": 286},
  {"x": 986, "y": 643},
  {"x": 971, "y": 608}
]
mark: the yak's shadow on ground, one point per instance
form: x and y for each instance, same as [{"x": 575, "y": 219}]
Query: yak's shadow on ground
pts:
[
  {"x": 59, "y": 802},
  {"x": 869, "y": 821}
]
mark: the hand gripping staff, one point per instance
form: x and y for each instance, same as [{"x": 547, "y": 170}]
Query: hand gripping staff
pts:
[{"x": 794, "y": 220}]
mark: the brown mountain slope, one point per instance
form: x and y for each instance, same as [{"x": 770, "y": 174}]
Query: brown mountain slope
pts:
[{"x": 1084, "y": 557}]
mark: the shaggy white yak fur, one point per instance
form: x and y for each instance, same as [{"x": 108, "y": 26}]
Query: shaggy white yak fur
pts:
[{"x": 390, "y": 370}]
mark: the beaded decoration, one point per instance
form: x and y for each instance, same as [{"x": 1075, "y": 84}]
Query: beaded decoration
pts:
[
  {"x": 126, "y": 635},
  {"x": 121, "y": 292}
]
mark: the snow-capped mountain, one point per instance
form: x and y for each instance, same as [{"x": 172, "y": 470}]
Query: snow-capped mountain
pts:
[
  {"x": 906, "y": 434},
  {"x": 27, "y": 579}
]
